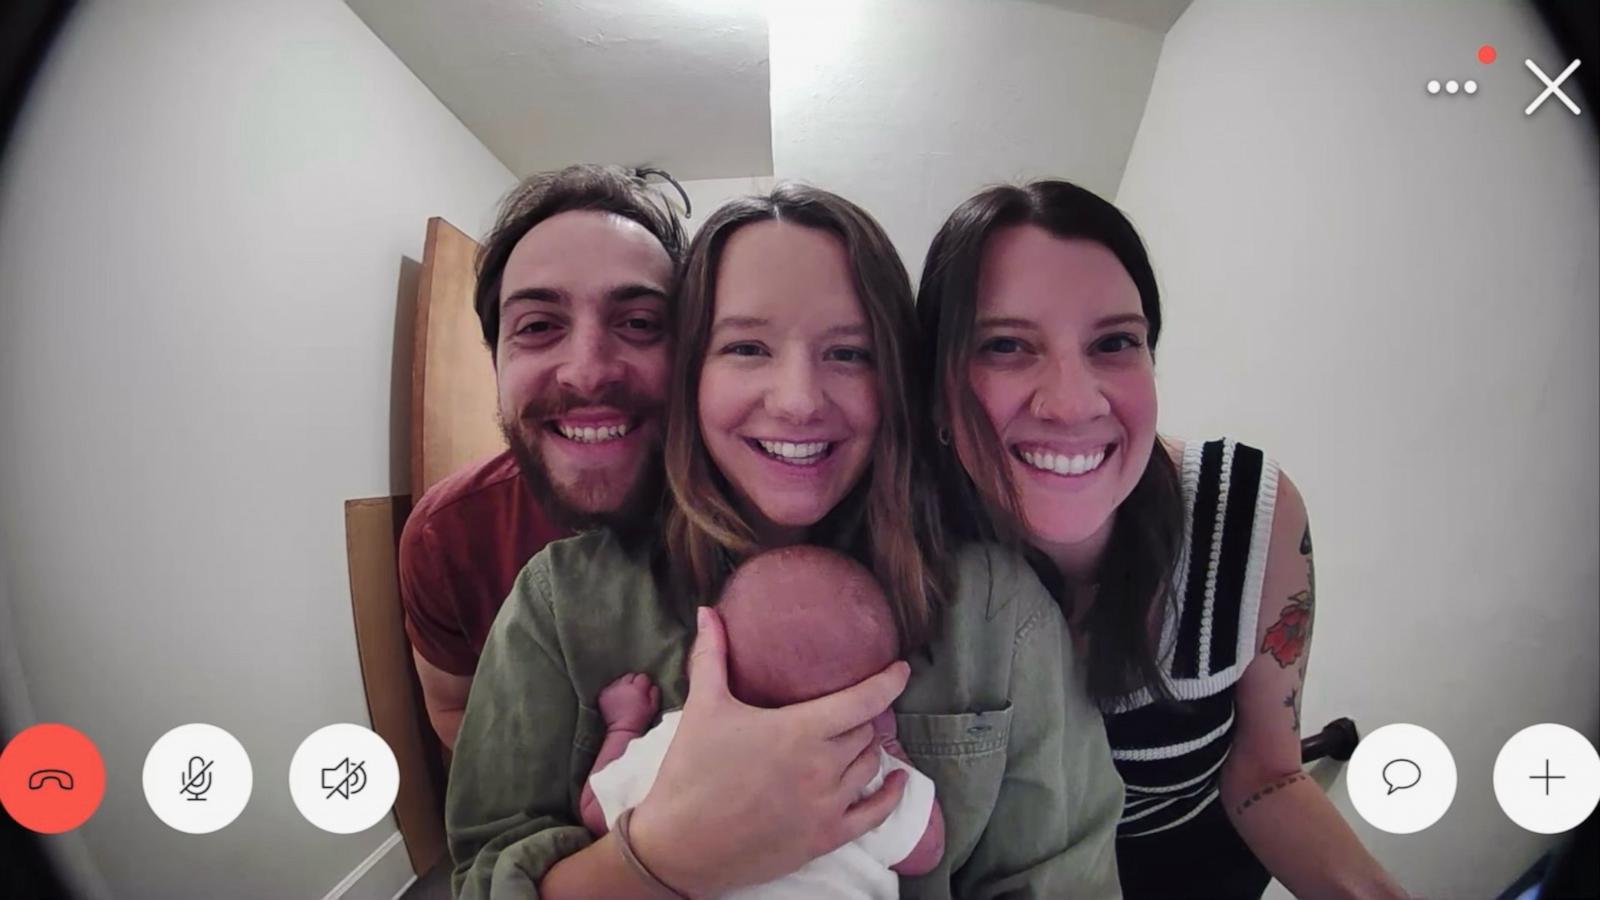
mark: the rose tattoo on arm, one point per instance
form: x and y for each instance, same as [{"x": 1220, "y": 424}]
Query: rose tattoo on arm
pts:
[{"x": 1286, "y": 638}]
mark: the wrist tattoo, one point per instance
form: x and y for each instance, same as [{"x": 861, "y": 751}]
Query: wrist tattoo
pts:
[{"x": 1272, "y": 788}]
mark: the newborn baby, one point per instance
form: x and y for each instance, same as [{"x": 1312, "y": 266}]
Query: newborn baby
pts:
[{"x": 802, "y": 622}]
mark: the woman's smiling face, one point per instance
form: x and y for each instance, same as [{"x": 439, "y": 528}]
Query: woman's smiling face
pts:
[
  {"x": 788, "y": 398},
  {"x": 1062, "y": 369}
]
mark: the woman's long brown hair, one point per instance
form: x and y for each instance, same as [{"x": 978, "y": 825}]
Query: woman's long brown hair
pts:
[
  {"x": 890, "y": 519},
  {"x": 1136, "y": 574}
]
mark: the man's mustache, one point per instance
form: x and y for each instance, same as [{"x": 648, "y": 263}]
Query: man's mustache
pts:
[{"x": 616, "y": 396}]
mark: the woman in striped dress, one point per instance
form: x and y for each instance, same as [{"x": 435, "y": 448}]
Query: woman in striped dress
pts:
[{"x": 1184, "y": 568}]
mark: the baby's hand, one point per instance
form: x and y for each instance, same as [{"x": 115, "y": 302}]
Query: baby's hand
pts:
[{"x": 630, "y": 703}]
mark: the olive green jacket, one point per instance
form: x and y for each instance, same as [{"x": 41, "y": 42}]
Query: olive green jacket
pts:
[{"x": 995, "y": 713}]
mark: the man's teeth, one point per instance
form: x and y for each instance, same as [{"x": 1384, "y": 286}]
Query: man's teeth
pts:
[
  {"x": 789, "y": 450},
  {"x": 1064, "y": 465},
  {"x": 592, "y": 435}
]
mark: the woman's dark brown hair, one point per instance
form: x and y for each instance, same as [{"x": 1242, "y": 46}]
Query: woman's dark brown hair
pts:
[
  {"x": 1136, "y": 574},
  {"x": 889, "y": 520}
]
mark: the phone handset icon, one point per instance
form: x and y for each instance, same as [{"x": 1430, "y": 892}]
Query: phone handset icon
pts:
[
  {"x": 63, "y": 779},
  {"x": 52, "y": 779}
]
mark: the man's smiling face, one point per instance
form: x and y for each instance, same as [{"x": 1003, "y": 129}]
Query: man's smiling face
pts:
[{"x": 582, "y": 363}]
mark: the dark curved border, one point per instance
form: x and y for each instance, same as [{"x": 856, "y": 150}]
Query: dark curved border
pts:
[
  {"x": 27, "y": 29},
  {"x": 1575, "y": 27}
]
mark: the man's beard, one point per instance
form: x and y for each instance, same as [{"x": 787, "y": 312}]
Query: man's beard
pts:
[{"x": 573, "y": 506}]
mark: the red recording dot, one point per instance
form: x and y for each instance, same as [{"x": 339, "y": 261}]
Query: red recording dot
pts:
[{"x": 1486, "y": 54}]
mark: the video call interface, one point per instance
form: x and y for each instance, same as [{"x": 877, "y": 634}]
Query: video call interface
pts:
[{"x": 780, "y": 449}]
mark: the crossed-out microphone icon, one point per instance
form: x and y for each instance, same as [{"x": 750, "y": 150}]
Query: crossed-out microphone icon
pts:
[{"x": 196, "y": 779}]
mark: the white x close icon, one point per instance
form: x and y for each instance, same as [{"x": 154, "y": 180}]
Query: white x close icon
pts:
[{"x": 1552, "y": 87}]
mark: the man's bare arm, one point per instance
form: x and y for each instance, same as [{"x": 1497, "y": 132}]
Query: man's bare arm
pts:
[{"x": 445, "y": 695}]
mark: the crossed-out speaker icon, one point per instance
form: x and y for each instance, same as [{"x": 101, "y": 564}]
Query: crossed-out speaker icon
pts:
[{"x": 344, "y": 778}]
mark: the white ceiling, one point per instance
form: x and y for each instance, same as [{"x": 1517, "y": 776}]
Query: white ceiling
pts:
[
  {"x": 679, "y": 84},
  {"x": 1154, "y": 15}
]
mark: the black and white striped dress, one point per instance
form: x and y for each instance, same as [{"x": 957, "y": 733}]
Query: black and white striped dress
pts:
[{"x": 1174, "y": 839}]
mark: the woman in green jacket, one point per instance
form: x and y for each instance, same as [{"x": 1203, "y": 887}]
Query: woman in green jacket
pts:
[{"x": 791, "y": 420}]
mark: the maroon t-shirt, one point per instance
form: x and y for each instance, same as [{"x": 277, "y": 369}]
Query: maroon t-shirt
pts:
[{"x": 461, "y": 549}]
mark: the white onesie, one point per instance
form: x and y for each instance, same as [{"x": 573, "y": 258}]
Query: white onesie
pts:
[{"x": 858, "y": 870}]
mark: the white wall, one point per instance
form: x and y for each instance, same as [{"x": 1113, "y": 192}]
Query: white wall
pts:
[
  {"x": 707, "y": 194},
  {"x": 1394, "y": 294},
  {"x": 908, "y": 107},
  {"x": 204, "y": 217}
]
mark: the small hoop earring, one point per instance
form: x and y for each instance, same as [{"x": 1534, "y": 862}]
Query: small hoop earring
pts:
[{"x": 944, "y": 436}]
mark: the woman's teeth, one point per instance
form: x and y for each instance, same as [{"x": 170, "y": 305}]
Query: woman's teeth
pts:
[
  {"x": 1081, "y": 464},
  {"x": 797, "y": 454},
  {"x": 592, "y": 435}
]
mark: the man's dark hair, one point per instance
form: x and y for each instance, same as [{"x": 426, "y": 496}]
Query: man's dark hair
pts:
[{"x": 583, "y": 187}]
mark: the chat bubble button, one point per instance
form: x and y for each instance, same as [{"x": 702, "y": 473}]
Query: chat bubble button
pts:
[
  {"x": 1400, "y": 774},
  {"x": 1402, "y": 778}
]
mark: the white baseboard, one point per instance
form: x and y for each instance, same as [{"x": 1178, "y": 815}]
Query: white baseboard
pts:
[
  {"x": 384, "y": 875},
  {"x": 405, "y": 887}
]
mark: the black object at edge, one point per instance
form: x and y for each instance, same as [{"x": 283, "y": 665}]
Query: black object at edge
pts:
[{"x": 1337, "y": 740}]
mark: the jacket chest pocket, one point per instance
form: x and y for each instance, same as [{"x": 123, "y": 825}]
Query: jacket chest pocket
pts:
[{"x": 965, "y": 755}]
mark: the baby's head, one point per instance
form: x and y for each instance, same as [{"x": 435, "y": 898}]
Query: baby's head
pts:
[{"x": 803, "y": 622}]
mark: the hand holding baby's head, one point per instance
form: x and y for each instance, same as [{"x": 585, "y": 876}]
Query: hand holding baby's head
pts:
[{"x": 803, "y": 622}]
